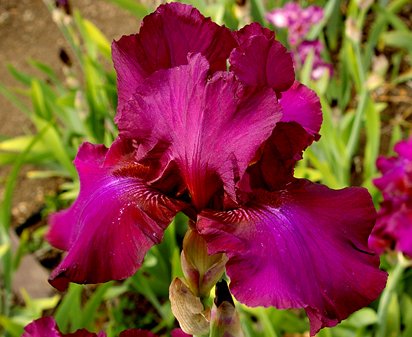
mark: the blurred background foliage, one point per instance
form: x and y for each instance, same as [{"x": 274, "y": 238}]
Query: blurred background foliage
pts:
[{"x": 367, "y": 108}]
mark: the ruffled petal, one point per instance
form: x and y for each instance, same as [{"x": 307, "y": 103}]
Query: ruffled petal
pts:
[
  {"x": 302, "y": 247},
  {"x": 253, "y": 29},
  {"x": 262, "y": 61},
  {"x": 114, "y": 221},
  {"x": 275, "y": 167},
  {"x": 301, "y": 104},
  {"x": 47, "y": 327},
  {"x": 213, "y": 126},
  {"x": 165, "y": 39}
]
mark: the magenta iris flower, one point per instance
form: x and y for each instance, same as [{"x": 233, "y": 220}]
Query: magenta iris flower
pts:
[
  {"x": 393, "y": 229},
  {"x": 47, "y": 327},
  {"x": 219, "y": 144}
]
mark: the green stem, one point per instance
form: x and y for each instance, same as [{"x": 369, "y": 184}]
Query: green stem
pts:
[
  {"x": 393, "y": 281},
  {"x": 267, "y": 325},
  {"x": 360, "y": 110}
]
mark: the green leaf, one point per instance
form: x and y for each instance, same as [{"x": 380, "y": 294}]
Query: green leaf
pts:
[
  {"x": 39, "y": 101},
  {"x": 13, "y": 328},
  {"x": 4, "y": 248},
  {"x": 18, "y": 144},
  {"x": 373, "y": 135},
  {"x": 399, "y": 39},
  {"x": 258, "y": 11},
  {"x": 132, "y": 6},
  {"x": 362, "y": 318},
  {"x": 69, "y": 313},
  {"x": 16, "y": 101},
  {"x": 48, "y": 71},
  {"x": 36, "y": 306},
  {"x": 97, "y": 36},
  {"x": 53, "y": 141},
  {"x": 20, "y": 76},
  {"x": 90, "y": 309}
]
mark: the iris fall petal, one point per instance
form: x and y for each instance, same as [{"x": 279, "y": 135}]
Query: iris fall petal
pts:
[
  {"x": 302, "y": 247},
  {"x": 114, "y": 221}
]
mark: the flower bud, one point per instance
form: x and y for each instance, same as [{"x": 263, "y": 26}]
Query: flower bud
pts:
[
  {"x": 200, "y": 269},
  {"x": 188, "y": 309},
  {"x": 224, "y": 321}
]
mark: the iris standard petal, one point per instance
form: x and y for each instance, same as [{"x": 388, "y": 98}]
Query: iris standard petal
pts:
[
  {"x": 302, "y": 247},
  {"x": 275, "y": 167},
  {"x": 301, "y": 104},
  {"x": 213, "y": 126},
  {"x": 164, "y": 41},
  {"x": 253, "y": 29},
  {"x": 262, "y": 61},
  {"x": 114, "y": 221}
]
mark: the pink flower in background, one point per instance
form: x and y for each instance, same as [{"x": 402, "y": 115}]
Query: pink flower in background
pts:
[
  {"x": 219, "y": 145},
  {"x": 319, "y": 66},
  {"x": 296, "y": 19},
  {"x": 298, "y": 22},
  {"x": 393, "y": 229}
]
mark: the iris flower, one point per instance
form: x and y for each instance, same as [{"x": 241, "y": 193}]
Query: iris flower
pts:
[
  {"x": 47, "y": 327},
  {"x": 394, "y": 225},
  {"x": 211, "y": 123}
]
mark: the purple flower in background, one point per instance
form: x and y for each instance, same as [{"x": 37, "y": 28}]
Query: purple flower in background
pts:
[
  {"x": 296, "y": 19},
  {"x": 299, "y": 21},
  {"x": 47, "y": 327},
  {"x": 219, "y": 145},
  {"x": 393, "y": 229},
  {"x": 319, "y": 66}
]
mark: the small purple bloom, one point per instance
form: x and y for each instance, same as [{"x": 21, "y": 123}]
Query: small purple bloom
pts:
[
  {"x": 299, "y": 21},
  {"x": 319, "y": 66},
  {"x": 219, "y": 145},
  {"x": 394, "y": 225},
  {"x": 296, "y": 19}
]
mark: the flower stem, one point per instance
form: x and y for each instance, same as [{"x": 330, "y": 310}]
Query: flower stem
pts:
[{"x": 393, "y": 281}]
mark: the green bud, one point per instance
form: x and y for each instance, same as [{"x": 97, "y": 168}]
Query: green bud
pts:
[{"x": 200, "y": 269}]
